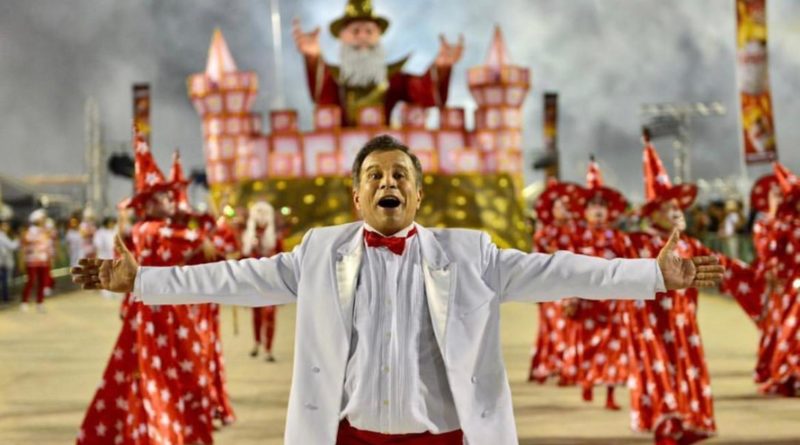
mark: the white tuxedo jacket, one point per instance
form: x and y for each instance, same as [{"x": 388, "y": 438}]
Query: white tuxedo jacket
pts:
[{"x": 466, "y": 278}]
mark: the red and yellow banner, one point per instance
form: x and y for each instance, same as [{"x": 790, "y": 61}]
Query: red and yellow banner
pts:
[
  {"x": 758, "y": 128},
  {"x": 141, "y": 109},
  {"x": 551, "y": 133}
]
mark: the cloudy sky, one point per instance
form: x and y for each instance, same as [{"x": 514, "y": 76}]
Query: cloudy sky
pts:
[{"x": 604, "y": 58}]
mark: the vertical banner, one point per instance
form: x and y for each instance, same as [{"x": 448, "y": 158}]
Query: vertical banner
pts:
[
  {"x": 758, "y": 128},
  {"x": 551, "y": 134},
  {"x": 141, "y": 109}
]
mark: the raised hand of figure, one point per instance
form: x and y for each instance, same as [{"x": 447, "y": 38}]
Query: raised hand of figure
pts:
[
  {"x": 449, "y": 54},
  {"x": 114, "y": 275},
  {"x": 307, "y": 42},
  {"x": 680, "y": 273}
]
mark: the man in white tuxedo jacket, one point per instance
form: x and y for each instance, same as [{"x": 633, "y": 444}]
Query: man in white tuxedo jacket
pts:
[{"x": 398, "y": 325}]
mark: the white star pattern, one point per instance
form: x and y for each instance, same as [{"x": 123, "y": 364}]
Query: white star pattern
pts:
[
  {"x": 666, "y": 303},
  {"x": 100, "y": 405},
  {"x": 161, "y": 341},
  {"x": 187, "y": 366},
  {"x": 668, "y": 336},
  {"x": 183, "y": 333},
  {"x": 100, "y": 429},
  {"x": 694, "y": 340},
  {"x": 693, "y": 372}
]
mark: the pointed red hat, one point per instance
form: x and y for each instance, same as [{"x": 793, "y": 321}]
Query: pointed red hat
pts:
[
  {"x": 147, "y": 177},
  {"x": 790, "y": 186},
  {"x": 178, "y": 180},
  {"x": 614, "y": 200},
  {"x": 575, "y": 194},
  {"x": 658, "y": 189},
  {"x": 759, "y": 194}
]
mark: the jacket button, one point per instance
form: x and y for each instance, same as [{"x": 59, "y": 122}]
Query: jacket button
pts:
[
  {"x": 315, "y": 370},
  {"x": 311, "y": 406},
  {"x": 485, "y": 413},
  {"x": 474, "y": 379}
]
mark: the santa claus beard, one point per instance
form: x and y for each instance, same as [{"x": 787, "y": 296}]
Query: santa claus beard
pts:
[{"x": 362, "y": 67}]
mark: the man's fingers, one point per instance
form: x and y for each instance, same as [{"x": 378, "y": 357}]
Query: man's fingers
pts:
[
  {"x": 704, "y": 284},
  {"x": 708, "y": 276},
  {"x": 672, "y": 243},
  {"x": 712, "y": 268},
  {"x": 703, "y": 260}
]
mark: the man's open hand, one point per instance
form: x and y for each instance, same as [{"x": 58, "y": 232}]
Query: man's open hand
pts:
[
  {"x": 680, "y": 273},
  {"x": 114, "y": 275}
]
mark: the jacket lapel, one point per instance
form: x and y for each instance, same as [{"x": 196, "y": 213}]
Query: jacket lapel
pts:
[
  {"x": 439, "y": 275},
  {"x": 347, "y": 266}
]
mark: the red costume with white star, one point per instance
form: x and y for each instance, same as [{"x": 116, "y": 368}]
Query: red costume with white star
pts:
[
  {"x": 780, "y": 353},
  {"x": 553, "y": 235},
  {"x": 158, "y": 385},
  {"x": 670, "y": 384}
]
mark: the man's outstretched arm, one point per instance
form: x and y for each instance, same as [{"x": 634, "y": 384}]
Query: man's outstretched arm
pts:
[
  {"x": 250, "y": 282},
  {"x": 517, "y": 276}
]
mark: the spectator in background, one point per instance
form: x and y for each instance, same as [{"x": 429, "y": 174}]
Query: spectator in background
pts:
[
  {"x": 8, "y": 245},
  {"x": 38, "y": 248},
  {"x": 74, "y": 241},
  {"x": 103, "y": 245},
  {"x": 729, "y": 228},
  {"x": 103, "y": 239}
]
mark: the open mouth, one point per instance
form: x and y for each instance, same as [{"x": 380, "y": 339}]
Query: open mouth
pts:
[{"x": 389, "y": 202}]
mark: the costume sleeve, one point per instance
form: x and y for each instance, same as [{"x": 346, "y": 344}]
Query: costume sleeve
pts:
[
  {"x": 248, "y": 282},
  {"x": 517, "y": 276},
  {"x": 427, "y": 90},
  {"x": 321, "y": 82},
  {"x": 740, "y": 281}
]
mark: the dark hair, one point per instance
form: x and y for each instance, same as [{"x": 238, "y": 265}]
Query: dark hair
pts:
[{"x": 384, "y": 143}]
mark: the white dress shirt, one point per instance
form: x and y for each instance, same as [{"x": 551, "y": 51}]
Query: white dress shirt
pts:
[{"x": 395, "y": 382}]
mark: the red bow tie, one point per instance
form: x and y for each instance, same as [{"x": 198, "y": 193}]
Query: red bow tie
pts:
[{"x": 393, "y": 243}]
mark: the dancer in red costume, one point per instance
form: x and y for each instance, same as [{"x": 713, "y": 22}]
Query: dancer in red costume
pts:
[
  {"x": 765, "y": 198},
  {"x": 155, "y": 387},
  {"x": 680, "y": 410},
  {"x": 259, "y": 240},
  {"x": 782, "y": 261},
  {"x": 204, "y": 317},
  {"x": 602, "y": 337},
  {"x": 556, "y": 209}
]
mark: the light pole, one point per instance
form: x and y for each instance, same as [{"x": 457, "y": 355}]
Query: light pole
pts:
[{"x": 674, "y": 119}]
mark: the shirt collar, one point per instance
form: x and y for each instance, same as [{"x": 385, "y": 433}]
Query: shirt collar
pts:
[{"x": 401, "y": 234}]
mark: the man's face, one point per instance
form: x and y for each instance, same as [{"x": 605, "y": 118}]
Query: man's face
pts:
[
  {"x": 360, "y": 34},
  {"x": 596, "y": 212},
  {"x": 161, "y": 205},
  {"x": 670, "y": 216},
  {"x": 387, "y": 195}
]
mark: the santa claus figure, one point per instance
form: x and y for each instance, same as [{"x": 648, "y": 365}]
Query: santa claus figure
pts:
[
  {"x": 260, "y": 239},
  {"x": 556, "y": 210},
  {"x": 363, "y": 78},
  {"x": 670, "y": 383},
  {"x": 779, "y": 358},
  {"x": 599, "y": 350}
]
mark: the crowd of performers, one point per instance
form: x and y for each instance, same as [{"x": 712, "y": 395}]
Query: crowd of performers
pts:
[
  {"x": 654, "y": 347},
  {"x": 165, "y": 380}
]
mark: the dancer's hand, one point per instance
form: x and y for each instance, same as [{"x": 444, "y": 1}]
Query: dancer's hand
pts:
[
  {"x": 113, "y": 275},
  {"x": 680, "y": 273}
]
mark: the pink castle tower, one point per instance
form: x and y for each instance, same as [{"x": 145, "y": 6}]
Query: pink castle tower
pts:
[
  {"x": 224, "y": 96},
  {"x": 499, "y": 88}
]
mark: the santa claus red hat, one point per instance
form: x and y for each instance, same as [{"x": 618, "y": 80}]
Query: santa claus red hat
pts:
[
  {"x": 658, "y": 189},
  {"x": 575, "y": 194},
  {"x": 148, "y": 178},
  {"x": 595, "y": 189}
]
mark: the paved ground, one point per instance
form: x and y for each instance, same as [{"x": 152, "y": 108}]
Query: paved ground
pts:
[{"x": 50, "y": 364}]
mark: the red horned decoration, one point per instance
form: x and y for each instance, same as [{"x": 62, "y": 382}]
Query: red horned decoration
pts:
[{"x": 658, "y": 189}]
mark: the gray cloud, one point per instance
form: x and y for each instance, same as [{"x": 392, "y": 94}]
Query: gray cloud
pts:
[{"x": 605, "y": 58}]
